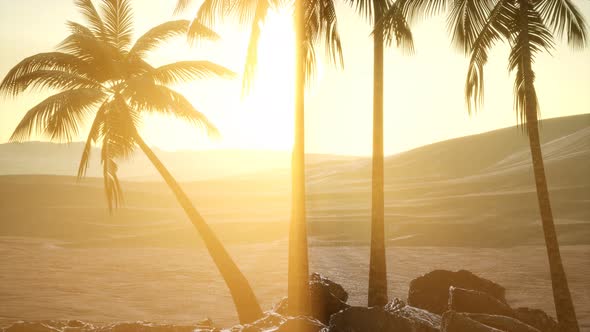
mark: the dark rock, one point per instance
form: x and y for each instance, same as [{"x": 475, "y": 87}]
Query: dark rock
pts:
[
  {"x": 327, "y": 298},
  {"x": 148, "y": 327},
  {"x": 536, "y": 318},
  {"x": 362, "y": 319},
  {"x": 76, "y": 323},
  {"x": 431, "y": 291},
  {"x": 502, "y": 323},
  {"x": 471, "y": 301},
  {"x": 301, "y": 324},
  {"x": 456, "y": 322},
  {"x": 421, "y": 320},
  {"x": 336, "y": 289}
]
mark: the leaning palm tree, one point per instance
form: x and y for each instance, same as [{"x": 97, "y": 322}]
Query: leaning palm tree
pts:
[
  {"x": 530, "y": 28},
  {"x": 315, "y": 23},
  {"x": 101, "y": 74},
  {"x": 397, "y": 29}
]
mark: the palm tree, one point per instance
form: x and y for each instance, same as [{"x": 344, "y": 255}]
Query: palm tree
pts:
[
  {"x": 315, "y": 23},
  {"x": 398, "y": 30},
  {"x": 100, "y": 73},
  {"x": 529, "y": 27}
]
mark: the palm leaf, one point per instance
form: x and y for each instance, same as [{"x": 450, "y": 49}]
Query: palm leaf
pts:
[
  {"x": 57, "y": 61},
  {"x": 185, "y": 71},
  {"x": 157, "y": 35},
  {"x": 498, "y": 26},
  {"x": 118, "y": 21},
  {"x": 466, "y": 20},
  {"x": 51, "y": 79},
  {"x": 94, "y": 136},
  {"x": 563, "y": 17},
  {"x": 252, "y": 56},
  {"x": 198, "y": 31},
  {"x": 91, "y": 14},
  {"x": 396, "y": 29},
  {"x": 58, "y": 117}
]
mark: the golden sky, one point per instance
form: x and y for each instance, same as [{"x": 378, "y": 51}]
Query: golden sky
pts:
[{"x": 424, "y": 99}]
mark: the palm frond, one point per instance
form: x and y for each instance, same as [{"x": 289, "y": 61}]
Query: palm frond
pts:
[
  {"x": 181, "y": 5},
  {"x": 118, "y": 21},
  {"x": 51, "y": 79},
  {"x": 197, "y": 31},
  {"x": 58, "y": 117},
  {"x": 79, "y": 28},
  {"x": 396, "y": 29},
  {"x": 531, "y": 38},
  {"x": 415, "y": 10},
  {"x": 89, "y": 12},
  {"x": 186, "y": 71},
  {"x": 94, "y": 136},
  {"x": 563, "y": 17},
  {"x": 211, "y": 10},
  {"x": 157, "y": 35},
  {"x": 369, "y": 9},
  {"x": 57, "y": 61},
  {"x": 163, "y": 100},
  {"x": 466, "y": 20},
  {"x": 498, "y": 26},
  {"x": 260, "y": 14},
  {"x": 103, "y": 59}
]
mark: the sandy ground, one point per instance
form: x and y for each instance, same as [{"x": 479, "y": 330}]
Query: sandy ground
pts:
[{"x": 41, "y": 280}]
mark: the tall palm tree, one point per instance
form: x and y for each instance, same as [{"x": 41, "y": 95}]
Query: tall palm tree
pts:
[
  {"x": 315, "y": 23},
  {"x": 100, "y": 73},
  {"x": 530, "y": 28},
  {"x": 396, "y": 29}
]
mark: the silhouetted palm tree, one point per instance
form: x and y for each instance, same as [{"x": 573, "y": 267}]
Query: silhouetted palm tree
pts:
[
  {"x": 529, "y": 27},
  {"x": 315, "y": 23},
  {"x": 101, "y": 73},
  {"x": 398, "y": 30}
]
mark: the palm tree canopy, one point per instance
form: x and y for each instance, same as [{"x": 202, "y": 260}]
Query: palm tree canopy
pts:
[
  {"x": 477, "y": 25},
  {"x": 321, "y": 28},
  {"x": 98, "y": 72}
]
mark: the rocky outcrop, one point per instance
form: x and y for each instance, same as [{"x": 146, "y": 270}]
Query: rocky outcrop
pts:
[
  {"x": 362, "y": 319},
  {"x": 421, "y": 320},
  {"x": 536, "y": 318},
  {"x": 456, "y": 322},
  {"x": 431, "y": 291},
  {"x": 502, "y": 323},
  {"x": 466, "y": 300}
]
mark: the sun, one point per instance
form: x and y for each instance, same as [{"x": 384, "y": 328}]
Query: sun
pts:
[{"x": 268, "y": 107}]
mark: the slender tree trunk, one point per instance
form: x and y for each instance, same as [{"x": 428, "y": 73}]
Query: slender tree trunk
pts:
[
  {"x": 377, "y": 265},
  {"x": 245, "y": 301},
  {"x": 298, "y": 288},
  {"x": 564, "y": 306}
]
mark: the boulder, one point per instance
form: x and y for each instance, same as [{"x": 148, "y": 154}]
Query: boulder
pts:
[
  {"x": 273, "y": 322},
  {"x": 362, "y": 319},
  {"x": 536, "y": 318},
  {"x": 431, "y": 291},
  {"x": 503, "y": 323},
  {"x": 471, "y": 301},
  {"x": 422, "y": 320},
  {"x": 301, "y": 324},
  {"x": 327, "y": 298},
  {"x": 456, "y": 322}
]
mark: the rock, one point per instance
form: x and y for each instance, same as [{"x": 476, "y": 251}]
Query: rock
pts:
[
  {"x": 421, "y": 320},
  {"x": 536, "y": 318},
  {"x": 149, "y": 327},
  {"x": 336, "y": 289},
  {"x": 471, "y": 301},
  {"x": 362, "y": 319},
  {"x": 273, "y": 322},
  {"x": 456, "y": 322},
  {"x": 431, "y": 291},
  {"x": 502, "y": 323},
  {"x": 301, "y": 324},
  {"x": 327, "y": 298}
]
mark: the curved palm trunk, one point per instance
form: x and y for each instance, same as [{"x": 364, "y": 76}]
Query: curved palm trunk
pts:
[
  {"x": 564, "y": 306},
  {"x": 244, "y": 299},
  {"x": 377, "y": 265},
  {"x": 298, "y": 289}
]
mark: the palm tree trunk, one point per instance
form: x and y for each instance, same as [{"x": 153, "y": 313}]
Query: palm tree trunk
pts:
[
  {"x": 377, "y": 265},
  {"x": 298, "y": 289},
  {"x": 564, "y": 306},
  {"x": 244, "y": 299}
]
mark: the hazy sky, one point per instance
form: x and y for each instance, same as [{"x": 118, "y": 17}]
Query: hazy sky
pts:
[{"x": 423, "y": 93}]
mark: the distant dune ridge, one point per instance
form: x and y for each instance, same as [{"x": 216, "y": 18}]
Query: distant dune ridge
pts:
[{"x": 470, "y": 191}]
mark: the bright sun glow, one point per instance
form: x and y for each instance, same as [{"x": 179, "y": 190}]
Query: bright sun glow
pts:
[{"x": 268, "y": 108}]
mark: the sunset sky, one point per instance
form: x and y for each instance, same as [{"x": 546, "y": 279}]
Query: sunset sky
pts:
[{"x": 424, "y": 99}]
